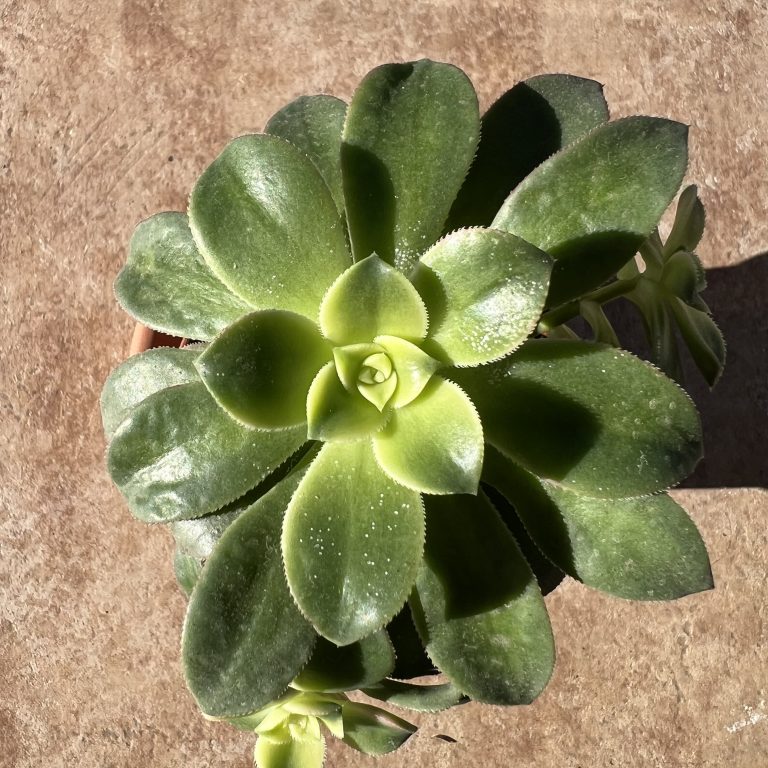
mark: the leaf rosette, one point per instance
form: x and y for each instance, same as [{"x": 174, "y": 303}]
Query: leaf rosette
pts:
[{"x": 371, "y": 425}]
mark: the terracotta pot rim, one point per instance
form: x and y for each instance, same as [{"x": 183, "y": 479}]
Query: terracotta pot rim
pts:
[{"x": 145, "y": 338}]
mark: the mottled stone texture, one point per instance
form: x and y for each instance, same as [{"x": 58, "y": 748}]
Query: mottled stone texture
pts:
[{"x": 108, "y": 112}]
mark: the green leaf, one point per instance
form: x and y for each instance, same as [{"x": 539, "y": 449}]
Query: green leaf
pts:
[
  {"x": 178, "y": 455},
  {"x": 547, "y": 574},
  {"x": 335, "y": 414},
  {"x": 260, "y": 368},
  {"x": 141, "y": 376},
  {"x": 419, "y": 698},
  {"x": 523, "y": 128},
  {"x": 244, "y": 639},
  {"x": 332, "y": 668},
  {"x": 641, "y": 549},
  {"x": 187, "y": 570},
  {"x": 266, "y": 224},
  {"x": 484, "y": 624},
  {"x": 411, "y": 659},
  {"x": 703, "y": 338},
  {"x": 374, "y": 731},
  {"x": 601, "y": 326},
  {"x": 369, "y": 299},
  {"x": 484, "y": 292},
  {"x": 413, "y": 366},
  {"x": 410, "y": 135},
  {"x": 435, "y": 443},
  {"x": 166, "y": 285},
  {"x": 352, "y": 543},
  {"x": 681, "y": 275},
  {"x": 658, "y": 326},
  {"x": 289, "y": 752},
  {"x": 593, "y": 418},
  {"x": 197, "y": 538},
  {"x": 689, "y": 223},
  {"x": 313, "y": 124},
  {"x": 591, "y": 205}
]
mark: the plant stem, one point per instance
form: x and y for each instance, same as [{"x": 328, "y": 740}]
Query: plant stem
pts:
[{"x": 569, "y": 310}]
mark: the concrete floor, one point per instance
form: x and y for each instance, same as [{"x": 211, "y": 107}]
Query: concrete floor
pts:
[{"x": 108, "y": 112}]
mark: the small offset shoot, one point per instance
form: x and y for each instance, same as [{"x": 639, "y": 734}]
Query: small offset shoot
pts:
[{"x": 386, "y": 444}]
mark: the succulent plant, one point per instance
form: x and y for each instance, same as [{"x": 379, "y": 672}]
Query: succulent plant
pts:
[{"x": 384, "y": 444}]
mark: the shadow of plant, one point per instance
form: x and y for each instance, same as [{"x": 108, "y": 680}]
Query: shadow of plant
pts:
[{"x": 735, "y": 414}]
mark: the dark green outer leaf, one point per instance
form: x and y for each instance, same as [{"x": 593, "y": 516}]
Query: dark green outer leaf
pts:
[
  {"x": 547, "y": 574},
  {"x": 166, "y": 285},
  {"x": 314, "y": 124},
  {"x": 596, "y": 419},
  {"x": 178, "y": 455},
  {"x": 266, "y": 224},
  {"x": 352, "y": 543},
  {"x": 332, "y": 668},
  {"x": 703, "y": 338},
  {"x": 411, "y": 659},
  {"x": 419, "y": 698},
  {"x": 141, "y": 376},
  {"x": 689, "y": 223},
  {"x": 197, "y": 538},
  {"x": 591, "y": 205},
  {"x": 410, "y": 135},
  {"x": 484, "y": 624},
  {"x": 530, "y": 122},
  {"x": 641, "y": 549},
  {"x": 244, "y": 639}
]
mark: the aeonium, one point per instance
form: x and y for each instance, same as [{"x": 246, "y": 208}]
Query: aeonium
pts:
[{"x": 370, "y": 417}]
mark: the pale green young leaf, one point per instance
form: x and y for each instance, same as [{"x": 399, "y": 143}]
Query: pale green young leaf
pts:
[
  {"x": 374, "y": 731},
  {"x": 289, "y": 752},
  {"x": 413, "y": 367},
  {"x": 419, "y": 698},
  {"x": 372, "y": 298},
  {"x": 641, "y": 549},
  {"x": 266, "y": 224},
  {"x": 244, "y": 639},
  {"x": 349, "y": 360},
  {"x": 178, "y": 455},
  {"x": 484, "y": 292},
  {"x": 435, "y": 443},
  {"x": 352, "y": 543},
  {"x": 595, "y": 419},
  {"x": 166, "y": 285},
  {"x": 260, "y": 368},
  {"x": 333, "y": 413},
  {"x": 141, "y": 376},
  {"x": 530, "y": 122},
  {"x": 484, "y": 624},
  {"x": 409, "y": 138},
  {"x": 332, "y": 668},
  {"x": 314, "y": 124},
  {"x": 591, "y": 205}
]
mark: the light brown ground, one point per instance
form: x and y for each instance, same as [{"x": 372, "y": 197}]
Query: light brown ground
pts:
[{"x": 108, "y": 112}]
